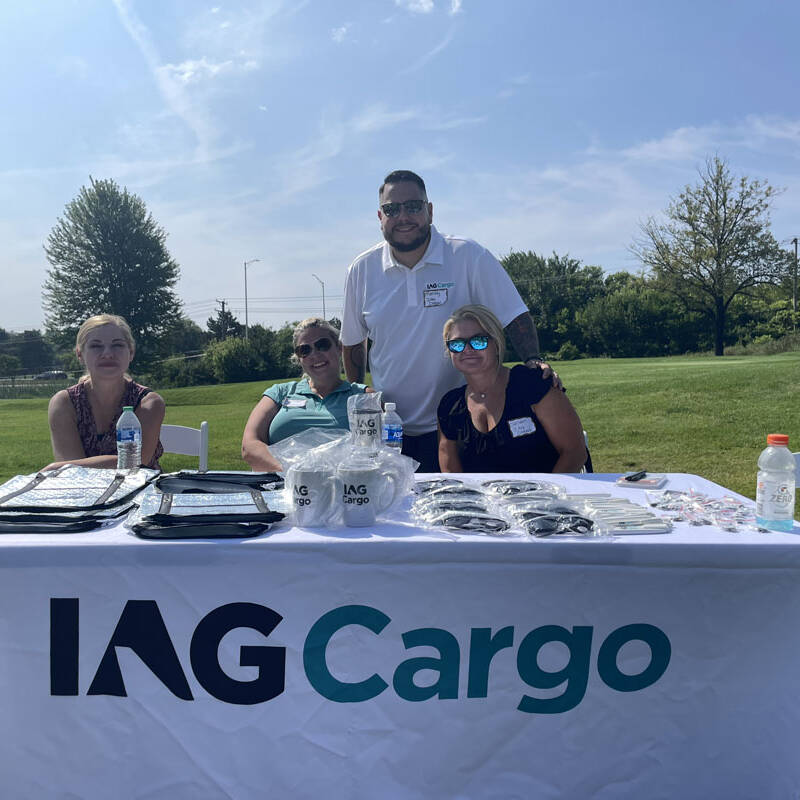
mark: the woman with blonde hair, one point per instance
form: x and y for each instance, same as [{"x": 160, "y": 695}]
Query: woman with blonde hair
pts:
[
  {"x": 318, "y": 399},
  {"x": 83, "y": 417},
  {"x": 502, "y": 420}
]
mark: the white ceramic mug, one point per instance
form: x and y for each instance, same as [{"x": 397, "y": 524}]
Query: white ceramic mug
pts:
[
  {"x": 366, "y": 490},
  {"x": 311, "y": 490}
]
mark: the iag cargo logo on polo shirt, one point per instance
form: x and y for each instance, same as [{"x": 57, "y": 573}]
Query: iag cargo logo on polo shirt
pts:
[
  {"x": 440, "y": 285},
  {"x": 141, "y": 628}
]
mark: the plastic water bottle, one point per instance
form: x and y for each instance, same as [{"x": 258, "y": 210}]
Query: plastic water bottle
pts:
[
  {"x": 129, "y": 440},
  {"x": 776, "y": 485},
  {"x": 392, "y": 428}
]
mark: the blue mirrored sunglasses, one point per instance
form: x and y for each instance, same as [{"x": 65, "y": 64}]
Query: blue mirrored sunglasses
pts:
[{"x": 479, "y": 342}]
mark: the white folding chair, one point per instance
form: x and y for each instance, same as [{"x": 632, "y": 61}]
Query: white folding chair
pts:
[
  {"x": 186, "y": 442},
  {"x": 586, "y": 442}
]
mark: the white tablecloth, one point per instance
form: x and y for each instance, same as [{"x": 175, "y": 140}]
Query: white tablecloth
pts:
[{"x": 349, "y": 617}]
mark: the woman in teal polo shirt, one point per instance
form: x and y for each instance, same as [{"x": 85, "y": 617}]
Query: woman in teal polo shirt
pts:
[{"x": 318, "y": 399}]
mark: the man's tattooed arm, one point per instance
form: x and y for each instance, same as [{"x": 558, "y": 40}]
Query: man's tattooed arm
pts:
[
  {"x": 355, "y": 361},
  {"x": 522, "y": 333}
]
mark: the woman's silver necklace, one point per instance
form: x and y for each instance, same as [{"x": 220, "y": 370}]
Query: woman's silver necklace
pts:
[
  {"x": 479, "y": 395},
  {"x": 482, "y": 395}
]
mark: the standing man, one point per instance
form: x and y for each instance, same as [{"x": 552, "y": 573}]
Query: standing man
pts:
[{"x": 400, "y": 293}]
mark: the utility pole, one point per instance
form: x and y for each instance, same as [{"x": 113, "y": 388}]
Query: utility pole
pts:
[
  {"x": 322, "y": 284},
  {"x": 246, "y": 320},
  {"x": 222, "y": 304}
]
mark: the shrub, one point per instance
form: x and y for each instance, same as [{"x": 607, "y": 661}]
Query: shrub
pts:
[{"x": 568, "y": 352}]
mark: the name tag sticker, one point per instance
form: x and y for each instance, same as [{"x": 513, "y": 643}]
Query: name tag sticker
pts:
[
  {"x": 295, "y": 401},
  {"x": 522, "y": 426},
  {"x": 434, "y": 297}
]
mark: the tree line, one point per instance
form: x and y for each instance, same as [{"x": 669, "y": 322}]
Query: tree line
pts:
[{"x": 712, "y": 274}]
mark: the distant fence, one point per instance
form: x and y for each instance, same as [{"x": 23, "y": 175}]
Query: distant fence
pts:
[{"x": 20, "y": 388}]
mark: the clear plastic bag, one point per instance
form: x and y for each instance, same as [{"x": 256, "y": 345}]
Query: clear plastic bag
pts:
[
  {"x": 307, "y": 443},
  {"x": 355, "y": 485},
  {"x": 365, "y": 416}
]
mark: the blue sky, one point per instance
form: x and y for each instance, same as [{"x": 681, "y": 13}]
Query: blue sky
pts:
[{"x": 262, "y": 129}]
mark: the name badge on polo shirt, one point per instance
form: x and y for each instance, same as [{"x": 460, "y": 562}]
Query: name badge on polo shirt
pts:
[
  {"x": 295, "y": 401},
  {"x": 434, "y": 297},
  {"x": 522, "y": 426}
]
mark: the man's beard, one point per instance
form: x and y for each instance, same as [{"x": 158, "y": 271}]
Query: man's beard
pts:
[{"x": 408, "y": 246}]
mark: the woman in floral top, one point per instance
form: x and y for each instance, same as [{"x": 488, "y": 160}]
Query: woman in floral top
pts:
[{"x": 83, "y": 417}]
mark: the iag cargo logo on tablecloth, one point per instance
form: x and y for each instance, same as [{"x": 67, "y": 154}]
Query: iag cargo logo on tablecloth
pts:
[{"x": 141, "y": 628}]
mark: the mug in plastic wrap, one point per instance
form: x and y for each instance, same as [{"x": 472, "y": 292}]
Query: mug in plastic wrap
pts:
[{"x": 312, "y": 492}]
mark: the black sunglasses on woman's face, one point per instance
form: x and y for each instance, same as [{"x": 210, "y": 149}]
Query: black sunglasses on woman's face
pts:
[{"x": 323, "y": 345}]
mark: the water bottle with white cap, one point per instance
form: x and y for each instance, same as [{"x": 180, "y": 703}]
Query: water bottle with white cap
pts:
[
  {"x": 776, "y": 485},
  {"x": 129, "y": 440},
  {"x": 392, "y": 428}
]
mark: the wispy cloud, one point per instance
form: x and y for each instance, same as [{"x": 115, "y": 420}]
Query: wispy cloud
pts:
[
  {"x": 678, "y": 145},
  {"x": 455, "y": 7},
  {"x": 420, "y": 63},
  {"x": 772, "y": 127},
  {"x": 416, "y": 6},
  {"x": 754, "y": 133},
  {"x": 191, "y": 71},
  {"x": 340, "y": 34},
  {"x": 452, "y": 123},
  {"x": 379, "y": 117},
  {"x": 590, "y": 204},
  {"x": 171, "y": 87},
  {"x": 305, "y": 168},
  {"x": 513, "y": 85}
]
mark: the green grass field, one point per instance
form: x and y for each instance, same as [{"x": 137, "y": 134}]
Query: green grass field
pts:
[{"x": 703, "y": 415}]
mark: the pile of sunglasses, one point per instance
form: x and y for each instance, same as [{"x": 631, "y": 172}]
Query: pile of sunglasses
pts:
[
  {"x": 537, "y": 508},
  {"x": 498, "y": 506},
  {"x": 450, "y": 503}
]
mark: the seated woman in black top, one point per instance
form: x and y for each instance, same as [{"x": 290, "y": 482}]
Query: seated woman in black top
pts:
[{"x": 503, "y": 420}]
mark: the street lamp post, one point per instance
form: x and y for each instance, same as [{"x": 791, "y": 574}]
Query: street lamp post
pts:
[
  {"x": 322, "y": 284},
  {"x": 246, "y": 320}
]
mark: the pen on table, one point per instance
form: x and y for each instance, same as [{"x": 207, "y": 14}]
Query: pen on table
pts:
[{"x": 637, "y": 476}]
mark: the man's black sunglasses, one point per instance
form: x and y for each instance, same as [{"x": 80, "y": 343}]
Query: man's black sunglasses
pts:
[
  {"x": 409, "y": 206},
  {"x": 479, "y": 342},
  {"x": 323, "y": 345}
]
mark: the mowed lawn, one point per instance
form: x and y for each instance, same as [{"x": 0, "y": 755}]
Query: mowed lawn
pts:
[{"x": 703, "y": 415}]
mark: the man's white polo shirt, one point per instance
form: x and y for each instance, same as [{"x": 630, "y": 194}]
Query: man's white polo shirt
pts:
[{"x": 403, "y": 312}]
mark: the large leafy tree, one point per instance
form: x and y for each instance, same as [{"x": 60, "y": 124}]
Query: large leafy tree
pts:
[
  {"x": 635, "y": 319},
  {"x": 554, "y": 289},
  {"x": 108, "y": 255},
  {"x": 714, "y": 244}
]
